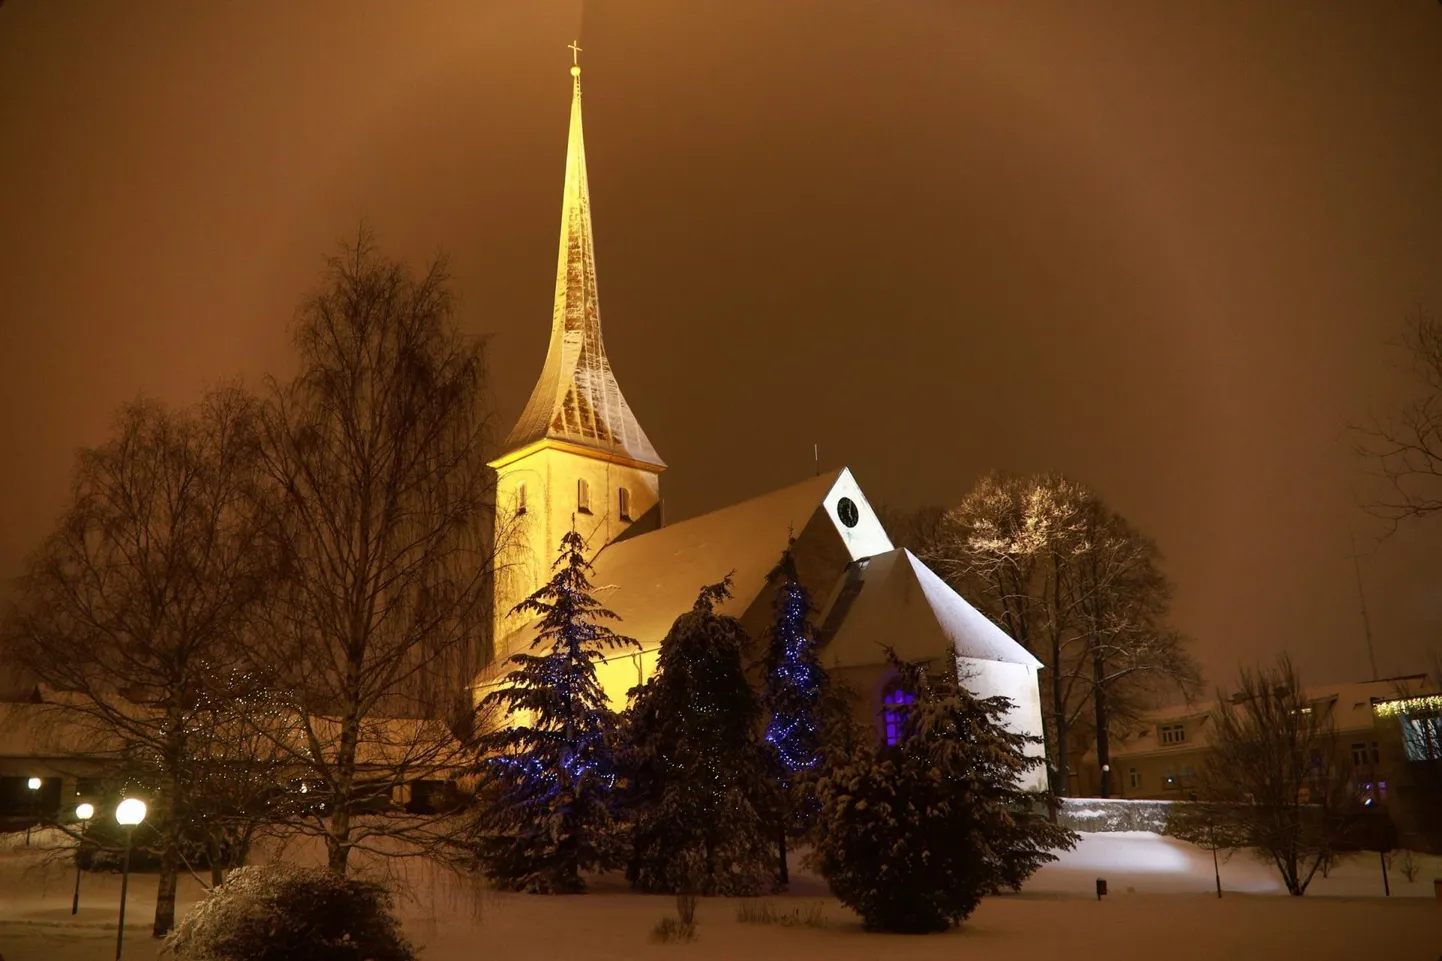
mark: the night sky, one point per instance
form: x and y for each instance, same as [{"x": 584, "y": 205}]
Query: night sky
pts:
[{"x": 1161, "y": 247}]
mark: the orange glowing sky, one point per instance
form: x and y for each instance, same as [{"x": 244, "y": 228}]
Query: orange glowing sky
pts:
[{"x": 1158, "y": 246}]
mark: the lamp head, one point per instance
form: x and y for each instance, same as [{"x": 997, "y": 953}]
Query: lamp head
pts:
[
  {"x": 130, "y": 812},
  {"x": 33, "y": 784},
  {"x": 85, "y": 811}
]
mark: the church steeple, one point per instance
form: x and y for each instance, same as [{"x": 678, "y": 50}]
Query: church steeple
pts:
[{"x": 577, "y": 402}]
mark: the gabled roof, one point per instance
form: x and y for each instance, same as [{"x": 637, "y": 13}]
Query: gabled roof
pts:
[
  {"x": 894, "y": 600},
  {"x": 577, "y": 400},
  {"x": 651, "y": 579}
]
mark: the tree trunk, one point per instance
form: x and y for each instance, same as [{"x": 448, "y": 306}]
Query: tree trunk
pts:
[
  {"x": 784, "y": 875},
  {"x": 1059, "y": 723},
  {"x": 1099, "y": 701},
  {"x": 165, "y": 892},
  {"x": 336, "y": 846},
  {"x": 1217, "y": 870}
]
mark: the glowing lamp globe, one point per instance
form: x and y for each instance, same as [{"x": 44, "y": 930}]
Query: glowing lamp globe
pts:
[
  {"x": 33, "y": 784},
  {"x": 85, "y": 811},
  {"x": 130, "y": 812}
]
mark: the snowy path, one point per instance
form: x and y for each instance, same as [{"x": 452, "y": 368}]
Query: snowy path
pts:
[{"x": 1169, "y": 913}]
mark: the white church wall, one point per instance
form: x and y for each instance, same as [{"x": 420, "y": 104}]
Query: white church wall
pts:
[
  {"x": 1018, "y": 683},
  {"x": 863, "y": 534}
]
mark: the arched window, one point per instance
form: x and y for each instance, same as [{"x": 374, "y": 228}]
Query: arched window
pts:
[
  {"x": 583, "y": 496},
  {"x": 624, "y": 503},
  {"x": 521, "y": 499},
  {"x": 894, "y": 704}
]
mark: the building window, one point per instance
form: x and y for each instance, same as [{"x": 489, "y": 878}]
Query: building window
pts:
[
  {"x": 1359, "y": 754},
  {"x": 1376, "y": 753},
  {"x": 624, "y": 503},
  {"x": 1134, "y": 778},
  {"x": 583, "y": 496},
  {"x": 521, "y": 499},
  {"x": 893, "y": 713},
  {"x": 1171, "y": 734}
]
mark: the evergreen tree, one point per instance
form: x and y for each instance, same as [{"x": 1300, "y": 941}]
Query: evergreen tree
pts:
[
  {"x": 913, "y": 836},
  {"x": 792, "y": 694},
  {"x": 697, "y": 773},
  {"x": 549, "y": 780}
]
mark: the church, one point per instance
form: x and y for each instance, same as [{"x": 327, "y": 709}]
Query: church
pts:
[{"x": 578, "y": 455}]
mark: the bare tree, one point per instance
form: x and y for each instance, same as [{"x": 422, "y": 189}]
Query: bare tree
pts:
[
  {"x": 134, "y": 607},
  {"x": 1080, "y": 588},
  {"x": 1271, "y": 779},
  {"x": 377, "y": 453},
  {"x": 1405, "y": 445},
  {"x": 1124, "y": 600}
]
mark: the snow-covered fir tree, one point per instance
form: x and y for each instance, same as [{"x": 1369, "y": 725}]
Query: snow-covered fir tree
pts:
[
  {"x": 698, "y": 779},
  {"x": 792, "y": 696},
  {"x": 913, "y": 836},
  {"x": 548, "y": 778}
]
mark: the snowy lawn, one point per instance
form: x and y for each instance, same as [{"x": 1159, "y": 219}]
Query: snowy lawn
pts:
[{"x": 1161, "y": 906}]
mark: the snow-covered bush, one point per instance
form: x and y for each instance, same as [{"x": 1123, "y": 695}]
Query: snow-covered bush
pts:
[
  {"x": 913, "y": 836},
  {"x": 281, "y": 912}
]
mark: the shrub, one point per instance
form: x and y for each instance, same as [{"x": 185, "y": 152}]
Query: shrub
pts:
[
  {"x": 680, "y": 928},
  {"x": 282, "y": 912}
]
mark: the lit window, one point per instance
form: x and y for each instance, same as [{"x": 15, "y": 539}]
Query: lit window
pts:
[
  {"x": 521, "y": 499},
  {"x": 583, "y": 496},
  {"x": 893, "y": 713},
  {"x": 624, "y": 498},
  {"x": 1171, "y": 734}
]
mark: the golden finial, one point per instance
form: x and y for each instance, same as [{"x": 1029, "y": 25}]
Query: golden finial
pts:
[{"x": 575, "y": 58}]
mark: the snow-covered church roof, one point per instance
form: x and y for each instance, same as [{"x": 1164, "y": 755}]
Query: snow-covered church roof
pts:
[
  {"x": 651, "y": 579},
  {"x": 894, "y": 600}
]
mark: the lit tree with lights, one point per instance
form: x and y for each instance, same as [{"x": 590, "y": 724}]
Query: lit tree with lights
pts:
[
  {"x": 549, "y": 779},
  {"x": 699, "y": 792},
  {"x": 795, "y": 682}
]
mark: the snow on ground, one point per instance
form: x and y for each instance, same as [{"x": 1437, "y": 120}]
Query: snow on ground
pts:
[{"x": 1161, "y": 905}]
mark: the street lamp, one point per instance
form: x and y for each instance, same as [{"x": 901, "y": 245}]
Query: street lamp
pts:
[
  {"x": 84, "y": 812},
  {"x": 34, "y": 785},
  {"x": 128, "y": 813}
]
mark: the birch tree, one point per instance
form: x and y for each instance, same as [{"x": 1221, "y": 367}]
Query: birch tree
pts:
[
  {"x": 376, "y": 451},
  {"x": 134, "y": 609}
]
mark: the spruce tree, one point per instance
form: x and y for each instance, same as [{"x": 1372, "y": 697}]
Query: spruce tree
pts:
[
  {"x": 913, "y": 836},
  {"x": 698, "y": 777},
  {"x": 792, "y": 694},
  {"x": 548, "y": 781}
]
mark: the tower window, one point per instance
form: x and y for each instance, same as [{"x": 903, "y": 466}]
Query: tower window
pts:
[
  {"x": 583, "y": 496},
  {"x": 894, "y": 704},
  {"x": 624, "y": 505},
  {"x": 521, "y": 499}
]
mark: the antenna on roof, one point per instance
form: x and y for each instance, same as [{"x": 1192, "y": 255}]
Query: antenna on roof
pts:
[
  {"x": 1362, "y": 601},
  {"x": 816, "y": 457}
]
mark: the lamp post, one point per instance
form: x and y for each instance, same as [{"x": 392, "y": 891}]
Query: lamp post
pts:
[
  {"x": 129, "y": 813},
  {"x": 84, "y": 812},
  {"x": 34, "y": 785}
]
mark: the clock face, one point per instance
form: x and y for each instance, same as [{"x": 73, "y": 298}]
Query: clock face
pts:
[{"x": 846, "y": 510}]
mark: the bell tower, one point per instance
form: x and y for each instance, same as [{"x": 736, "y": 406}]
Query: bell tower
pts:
[{"x": 577, "y": 450}]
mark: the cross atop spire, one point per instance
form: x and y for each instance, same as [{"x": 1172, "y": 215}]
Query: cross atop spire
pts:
[
  {"x": 577, "y": 401},
  {"x": 575, "y": 54}
]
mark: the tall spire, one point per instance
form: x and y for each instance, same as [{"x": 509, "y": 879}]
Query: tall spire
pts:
[{"x": 577, "y": 400}]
